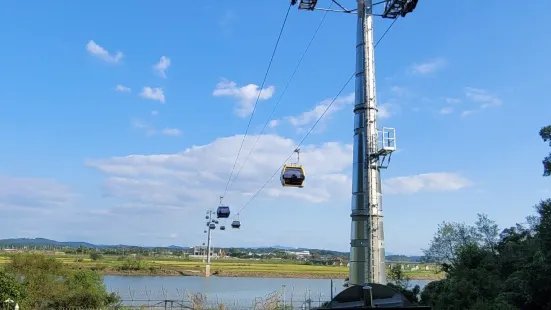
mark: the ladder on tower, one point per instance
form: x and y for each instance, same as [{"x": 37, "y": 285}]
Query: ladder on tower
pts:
[
  {"x": 387, "y": 141},
  {"x": 384, "y": 144}
]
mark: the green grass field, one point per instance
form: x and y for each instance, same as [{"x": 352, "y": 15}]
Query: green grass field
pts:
[{"x": 253, "y": 268}]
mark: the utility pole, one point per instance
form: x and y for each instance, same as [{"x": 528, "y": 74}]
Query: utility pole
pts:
[{"x": 372, "y": 147}]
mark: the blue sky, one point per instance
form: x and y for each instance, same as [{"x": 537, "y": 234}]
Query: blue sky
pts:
[{"x": 86, "y": 85}]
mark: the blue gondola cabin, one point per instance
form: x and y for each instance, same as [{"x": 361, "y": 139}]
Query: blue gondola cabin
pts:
[{"x": 223, "y": 212}]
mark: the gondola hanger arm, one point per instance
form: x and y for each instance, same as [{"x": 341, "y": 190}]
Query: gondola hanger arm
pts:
[{"x": 297, "y": 150}]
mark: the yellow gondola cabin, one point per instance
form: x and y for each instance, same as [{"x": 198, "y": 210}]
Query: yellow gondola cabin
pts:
[{"x": 292, "y": 175}]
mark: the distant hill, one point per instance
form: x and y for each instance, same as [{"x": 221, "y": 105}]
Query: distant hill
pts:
[
  {"x": 43, "y": 242},
  {"x": 17, "y": 242},
  {"x": 286, "y": 248}
]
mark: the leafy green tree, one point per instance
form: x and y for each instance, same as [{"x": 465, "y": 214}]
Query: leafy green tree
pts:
[
  {"x": 10, "y": 288},
  {"x": 178, "y": 252},
  {"x": 512, "y": 273},
  {"x": 49, "y": 284},
  {"x": 84, "y": 290},
  {"x": 132, "y": 263},
  {"x": 400, "y": 282},
  {"x": 233, "y": 252},
  {"x": 487, "y": 271},
  {"x": 432, "y": 291},
  {"x": 450, "y": 237},
  {"x": 95, "y": 256},
  {"x": 545, "y": 134},
  {"x": 315, "y": 255}
]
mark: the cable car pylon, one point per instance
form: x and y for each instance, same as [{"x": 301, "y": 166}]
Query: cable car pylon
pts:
[{"x": 367, "y": 253}]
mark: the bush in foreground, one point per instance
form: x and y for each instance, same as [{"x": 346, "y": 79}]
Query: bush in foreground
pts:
[{"x": 35, "y": 281}]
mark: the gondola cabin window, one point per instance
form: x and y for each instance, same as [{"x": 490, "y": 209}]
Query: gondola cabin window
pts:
[{"x": 292, "y": 172}]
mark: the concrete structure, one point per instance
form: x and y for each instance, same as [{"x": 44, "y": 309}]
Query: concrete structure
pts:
[
  {"x": 299, "y": 254},
  {"x": 200, "y": 252}
]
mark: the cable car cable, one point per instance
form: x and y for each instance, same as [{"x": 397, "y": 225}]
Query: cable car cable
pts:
[
  {"x": 311, "y": 128},
  {"x": 281, "y": 96},
  {"x": 302, "y": 141},
  {"x": 384, "y": 33},
  {"x": 258, "y": 97}
]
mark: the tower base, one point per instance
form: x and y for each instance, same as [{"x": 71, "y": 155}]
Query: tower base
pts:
[
  {"x": 382, "y": 296},
  {"x": 207, "y": 270}
]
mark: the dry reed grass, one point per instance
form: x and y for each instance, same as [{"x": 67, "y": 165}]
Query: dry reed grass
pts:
[{"x": 199, "y": 301}]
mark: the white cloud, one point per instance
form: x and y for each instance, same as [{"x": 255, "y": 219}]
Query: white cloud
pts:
[
  {"x": 197, "y": 175},
  {"x": 122, "y": 89},
  {"x": 385, "y": 110},
  {"x": 150, "y": 130},
  {"x": 482, "y": 97},
  {"x": 95, "y": 50},
  {"x": 436, "y": 182},
  {"x": 428, "y": 67},
  {"x": 194, "y": 178},
  {"x": 154, "y": 113},
  {"x": 310, "y": 117},
  {"x": 451, "y": 100},
  {"x": 466, "y": 113},
  {"x": 446, "y": 110},
  {"x": 273, "y": 123},
  {"x": 143, "y": 126},
  {"x": 156, "y": 94},
  {"x": 171, "y": 132},
  {"x": 28, "y": 194},
  {"x": 307, "y": 119},
  {"x": 245, "y": 95},
  {"x": 161, "y": 67},
  {"x": 398, "y": 90}
]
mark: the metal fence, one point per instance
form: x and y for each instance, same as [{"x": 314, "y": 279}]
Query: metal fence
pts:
[
  {"x": 187, "y": 304},
  {"x": 200, "y": 302},
  {"x": 183, "y": 299},
  {"x": 149, "y": 300},
  {"x": 254, "y": 304}
]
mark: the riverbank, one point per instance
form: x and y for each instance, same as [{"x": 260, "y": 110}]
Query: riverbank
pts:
[
  {"x": 221, "y": 268},
  {"x": 254, "y": 274}
]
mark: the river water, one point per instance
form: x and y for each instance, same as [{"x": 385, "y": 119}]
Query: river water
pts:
[{"x": 138, "y": 290}]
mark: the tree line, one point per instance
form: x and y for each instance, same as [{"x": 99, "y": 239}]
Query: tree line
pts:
[{"x": 488, "y": 268}]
